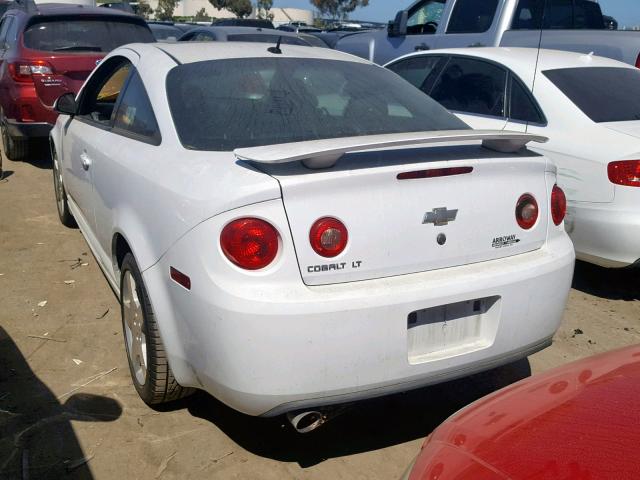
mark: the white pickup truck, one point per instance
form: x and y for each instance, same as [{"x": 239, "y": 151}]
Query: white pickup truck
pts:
[{"x": 582, "y": 26}]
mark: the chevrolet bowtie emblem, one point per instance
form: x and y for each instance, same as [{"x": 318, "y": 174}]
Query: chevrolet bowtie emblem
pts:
[{"x": 440, "y": 216}]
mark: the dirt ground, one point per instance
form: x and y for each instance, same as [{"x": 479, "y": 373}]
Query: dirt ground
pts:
[{"x": 68, "y": 409}]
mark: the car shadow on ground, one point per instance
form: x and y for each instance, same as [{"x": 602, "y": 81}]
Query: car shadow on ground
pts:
[
  {"x": 613, "y": 284},
  {"x": 364, "y": 426},
  {"x": 37, "y": 439}
]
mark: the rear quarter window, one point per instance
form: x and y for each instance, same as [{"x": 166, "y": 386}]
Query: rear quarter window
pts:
[{"x": 604, "y": 94}]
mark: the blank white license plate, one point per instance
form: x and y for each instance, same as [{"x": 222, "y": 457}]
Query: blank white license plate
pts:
[{"x": 454, "y": 329}]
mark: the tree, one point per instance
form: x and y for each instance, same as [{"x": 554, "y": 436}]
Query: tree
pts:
[
  {"x": 144, "y": 9},
  {"x": 241, "y": 8},
  {"x": 338, "y": 8},
  {"x": 201, "y": 16},
  {"x": 165, "y": 9},
  {"x": 263, "y": 9}
]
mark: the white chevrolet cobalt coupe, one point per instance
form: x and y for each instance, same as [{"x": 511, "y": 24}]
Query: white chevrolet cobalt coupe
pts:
[{"x": 291, "y": 228}]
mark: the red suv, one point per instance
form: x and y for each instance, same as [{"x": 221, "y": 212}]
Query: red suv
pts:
[{"x": 47, "y": 50}]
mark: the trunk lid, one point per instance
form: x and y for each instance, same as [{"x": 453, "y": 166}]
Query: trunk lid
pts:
[
  {"x": 385, "y": 216},
  {"x": 69, "y": 73},
  {"x": 631, "y": 128}
]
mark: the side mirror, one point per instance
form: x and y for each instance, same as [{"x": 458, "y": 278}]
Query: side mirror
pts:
[
  {"x": 398, "y": 27},
  {"x": 66, "y": 104}
]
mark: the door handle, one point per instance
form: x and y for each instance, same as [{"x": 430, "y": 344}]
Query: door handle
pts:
[
  {"x": 85, "y": 160},
  {"x": 422, "y": 47},
  {"x": 477, "y": 44}
]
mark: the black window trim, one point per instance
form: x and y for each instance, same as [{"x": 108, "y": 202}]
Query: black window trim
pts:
[{"x": 110, "y": 127}]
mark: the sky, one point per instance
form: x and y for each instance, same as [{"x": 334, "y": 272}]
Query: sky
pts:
[{"x": 627, "y": 12}]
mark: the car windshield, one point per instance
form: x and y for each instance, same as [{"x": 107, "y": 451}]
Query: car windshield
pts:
[
  {"x": 74, "y": 34},
  {"x": 221, "y": 105},
  {"x": 604, "y": 94}
]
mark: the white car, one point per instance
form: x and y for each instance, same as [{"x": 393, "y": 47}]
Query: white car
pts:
[
  {"x": 588, "y": 107},
  {"x": 285, "y": 237}
]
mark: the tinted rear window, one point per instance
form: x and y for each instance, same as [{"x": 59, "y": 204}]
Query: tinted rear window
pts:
[
  {"x": 222, "y": 105},
  {"x": 258, "y": 37},
  {"x": 603, "y": 94},
  {"x": 561, "y": 14},
  {"x": 79, "y": 35}
]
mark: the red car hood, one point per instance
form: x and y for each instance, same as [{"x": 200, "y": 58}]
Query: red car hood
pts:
[{"x": 577, "y": 422}]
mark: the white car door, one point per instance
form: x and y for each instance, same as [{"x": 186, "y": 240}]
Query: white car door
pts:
[
  {"x": 124, "y": 162},
  {"x": 86, "y": 135}
]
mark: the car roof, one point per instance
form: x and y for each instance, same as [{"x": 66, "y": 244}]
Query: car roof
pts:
[
  {"x": 45, "y": 9},
  {"x": 520, "y": 60},
  {"x": 236, "y": 30},
  {"x": 188, "y": 52}
]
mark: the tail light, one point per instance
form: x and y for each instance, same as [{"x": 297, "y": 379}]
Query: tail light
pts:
[
  {"x": 24, "y": 71},
  {"x": 625, "y": 173},
  {"x": 558, "y": 205},
  {"x": 249, "y": 243},
  {"x": 638, "y": 61},
  {"x": 526, "y": 211},
  {"x": 328, "y": 237}
]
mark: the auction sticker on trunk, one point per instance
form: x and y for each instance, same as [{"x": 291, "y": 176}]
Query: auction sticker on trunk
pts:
[{"x": 506, "y": 241}]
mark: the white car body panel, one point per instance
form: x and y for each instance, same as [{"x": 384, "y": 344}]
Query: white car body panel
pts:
[
  {"x": 265, "y": 342},
  {"x": 603, "y": 219}
]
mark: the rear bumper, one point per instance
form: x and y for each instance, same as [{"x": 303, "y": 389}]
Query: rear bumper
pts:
[
  {"x": 265, "y": 350},
  {"x": 605, "y": 234},
  {"x": 28, "y": 129}
]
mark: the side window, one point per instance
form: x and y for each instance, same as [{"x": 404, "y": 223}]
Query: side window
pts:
[
  {"x": 416, "y": 69},
  {"x": 135, "y": 114},
  {"x": 559, "y": 14},
  {"x": 472, "y": 16},
  {"x": 472, "y": 86},
  {"x": 587, "y": 15},
  {"x": 528, "y": 15},
  {"x": 203, "y": 37},
  {"x": 425, "y": 17},
  {"x": 101, "y": 94},
  {"x": 522, "y": 106}
]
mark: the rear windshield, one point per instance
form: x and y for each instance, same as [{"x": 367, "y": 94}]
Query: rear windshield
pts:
[
  {"x": 604, "y": 94},
  {"x": 265, "y": 38},
  {"x": 78, "y": 35},
  {"x": 221, "y": 105}
]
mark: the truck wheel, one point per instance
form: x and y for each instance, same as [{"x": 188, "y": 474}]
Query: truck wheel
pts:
[
  {"x": 65, "y": 216},
  {"x": 15, "y": 148},
  {"x": 150, "y": 370}
]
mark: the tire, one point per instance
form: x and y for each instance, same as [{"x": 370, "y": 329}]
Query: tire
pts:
[
  {"x": 15, "y": 148},
  {"x": 64, "y": 214},
  {"x": 148, "y": 365}
]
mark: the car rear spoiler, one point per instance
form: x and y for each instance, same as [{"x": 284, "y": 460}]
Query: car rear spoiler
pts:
[{"x": 325, "y": 153}]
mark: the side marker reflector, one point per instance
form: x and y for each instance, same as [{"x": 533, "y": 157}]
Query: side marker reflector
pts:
[{"x": 180, "y": 278}]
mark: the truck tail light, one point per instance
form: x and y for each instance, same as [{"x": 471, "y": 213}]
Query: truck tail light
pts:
[
  {"x": 22, "y": 71},
  {"x": 527, "y": 211},
  {"x": 328, "y": 237},
  {"x": 250, "y": 243},
  {"x": 558, "y": 205},
  {"x": 625, "y": 173},
  {"x": 638, "y": 61}
]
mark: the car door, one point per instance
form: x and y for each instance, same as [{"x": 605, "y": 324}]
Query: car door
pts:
[
  {"x": 87, "y": 134},
  {"x": 472, "y": 23},
  {"x": 124, "y": 163},
  {"x": 473, "y": 89}
]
